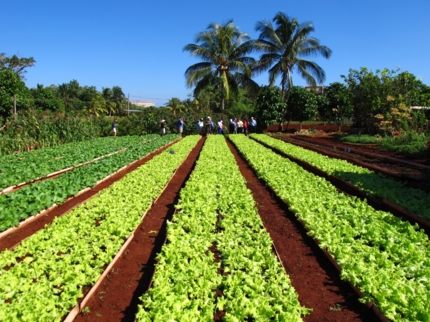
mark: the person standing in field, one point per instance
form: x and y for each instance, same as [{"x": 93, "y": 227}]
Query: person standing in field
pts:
[
  {"x": 231, "y": 126},
  {"x": 220, "y": 126},
  {"x": 208, "y": 126},
  {"x": 239, "y": 126},
  {"x": 253, "y": 125},
  {"x": 245, "y": 126},
  {"x": 163, "y": 127},
  {"x": 114, "y": 125},
  {"x": 180, "y": 125},
  {"x": 199, "y": 126}
]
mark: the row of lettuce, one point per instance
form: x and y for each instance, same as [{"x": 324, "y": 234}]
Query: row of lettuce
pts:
[
  {"x": 374, "y": 184},
  {"x": 387, "y": 258},
  {"x": 42, "y": 278},
  {"x": 219, "y": 257},
  {"x": 31, "y": 199},
  {"x": 24, "y": 167}
]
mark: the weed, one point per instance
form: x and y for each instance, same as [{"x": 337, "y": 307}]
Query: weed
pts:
[{"x": 336, "y": 308}]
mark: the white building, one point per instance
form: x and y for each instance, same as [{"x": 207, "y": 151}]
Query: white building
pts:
[
  {"x": 319, "y": 89},
  {"x": 143, "y": 103}
]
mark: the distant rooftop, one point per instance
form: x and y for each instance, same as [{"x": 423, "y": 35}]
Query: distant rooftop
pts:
[
  {"x": 318, "y": 89},
  {"x": 144, "y": 103}
]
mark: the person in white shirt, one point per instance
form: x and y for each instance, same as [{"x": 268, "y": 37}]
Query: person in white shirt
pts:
[
  {"x": 239, "y": 126},
  {"x": 220, "y": 126}
]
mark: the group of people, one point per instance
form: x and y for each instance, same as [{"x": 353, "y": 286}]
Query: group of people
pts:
[
  {"x": 179, "y": 123},
  {"x": 208, "y": 126},
  {"x": 236, "y": 125},
  {"x": 242, "y": 126}
]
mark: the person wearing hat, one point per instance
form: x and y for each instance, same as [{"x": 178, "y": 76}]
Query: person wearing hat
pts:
[{"x": 163, "y": 127}]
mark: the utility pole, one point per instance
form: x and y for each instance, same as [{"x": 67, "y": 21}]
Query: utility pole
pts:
[
  {"x": 14, "y": 106},
  {"x": 128, "y": 105}
]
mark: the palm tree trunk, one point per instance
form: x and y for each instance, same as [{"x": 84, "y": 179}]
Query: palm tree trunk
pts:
[{"x": 222, "y": 98}]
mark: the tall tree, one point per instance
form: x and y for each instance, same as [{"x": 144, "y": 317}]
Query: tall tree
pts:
[
  {"x": 45, "y": 99},
  {"x": 338, "y": 102},
  {"x": 97, "y": 105},
  {"x": 223, "y": 50},
  {"x": 270, "y": 107},
  {"x": 107, "y": 94},
  {"x": 285, "y": 47},
  {"x": 118, "y": 97},
  {"x": 175, "y": 105},
  {"x": 16, "y": 63},
  {"x": 69, "y": 94},
  {"x": 302, "y": 105},
  {"x": 11, "y": 86}
]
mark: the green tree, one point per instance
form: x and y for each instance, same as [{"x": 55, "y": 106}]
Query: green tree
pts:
[
  {"x": 87, "y": 96},
  {"x": 69, "y": 94},
  {"x": 270, "y": 107},
  {"x": 11, "y": 85},
  {"x": 338, "y": 102},
  {"x": 244, "y": 104},
  {"x": 97, "y": 105},
  {"x": 118, "y": 98},
  {"x": 374, "y": 95},
  {"x": 16, "y": 64},
  {"x": 209, "y": 98},
  {"x": 223, "y": 50},
  {"x": 302, "y": 104},
  {"x": 107, "y": 94},
  {"x": 45, "y": 99},
  {"x": 364, "y": 89},
  {"x": 175, "y": 105},
  {"x": 285, "y": 47}
]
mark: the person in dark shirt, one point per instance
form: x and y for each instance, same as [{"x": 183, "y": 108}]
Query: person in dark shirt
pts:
[
  {"x": 208, "y": 126},
  {"x": 163, "y": 127},
  {"x": 114, "y": 124}
]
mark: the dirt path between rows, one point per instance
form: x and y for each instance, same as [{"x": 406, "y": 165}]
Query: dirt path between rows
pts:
[
  {"x": 117, "y": 298},
  {"x": 22, "y": 233},
  {"x": 315, "y": 279}
]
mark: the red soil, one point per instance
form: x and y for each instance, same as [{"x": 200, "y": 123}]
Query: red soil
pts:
[
  {"x": 118, "y": 297},
  {"x": 314, "y": 277}
]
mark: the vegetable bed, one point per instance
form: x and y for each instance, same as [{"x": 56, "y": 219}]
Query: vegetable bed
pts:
[
  {"x": 32, "y": 199},
  {"x": 217, "y": 242},
  {"x": 43, "y": 277},
  {"x": 385, "y": 257},
  {"x": 21, "y": 168},
  {"x": 374, "y": 184}
]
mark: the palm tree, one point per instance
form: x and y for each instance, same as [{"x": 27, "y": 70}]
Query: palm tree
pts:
[
  {"x": 107, "y": 94},
  {"x": 118, "y": 97},
  {"x": 97, "y": 106},
  {"x": 284, "y": 48},
  {"x": 175, "y": 105},
  {"x": 222, "y": 49}
]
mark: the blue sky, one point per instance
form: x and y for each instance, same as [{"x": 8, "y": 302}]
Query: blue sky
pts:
[{"x": 137, "y": 44}]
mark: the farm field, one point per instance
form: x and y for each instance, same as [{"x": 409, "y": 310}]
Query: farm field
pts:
[
  {"x": 129, "y": 289},
  {"x": 390, "y": 162},
  {"x": 372, "y": 183}
]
